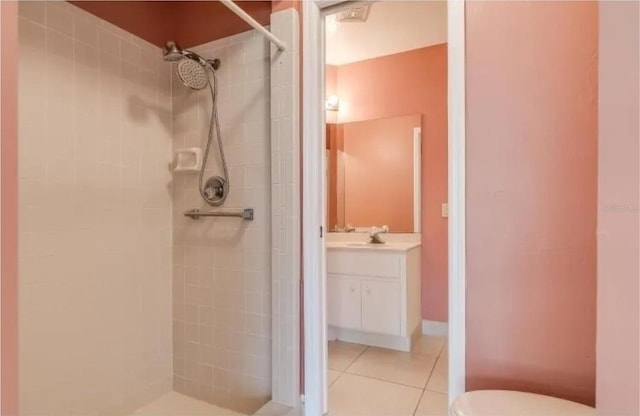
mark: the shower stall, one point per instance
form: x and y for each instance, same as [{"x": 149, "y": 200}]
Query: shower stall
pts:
[{"x": 145, "y": 288}]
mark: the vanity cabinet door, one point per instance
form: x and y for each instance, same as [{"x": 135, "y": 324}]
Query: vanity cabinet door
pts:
[
  {"x": 344, "y": 303},
  {"x": 381, "y": 307}
]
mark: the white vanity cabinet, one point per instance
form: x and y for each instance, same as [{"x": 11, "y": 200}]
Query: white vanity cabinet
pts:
[
  {"x": 373, "y": 295},
  {"x": 344, "y": 302},
  {"x": 381, "y": 307}
]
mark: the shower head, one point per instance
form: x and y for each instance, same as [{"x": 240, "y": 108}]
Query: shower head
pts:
[
  {"x": 192, "y": 74},
  {"x": 192, "y": 68},
  {"x": 172, "y": 52}
]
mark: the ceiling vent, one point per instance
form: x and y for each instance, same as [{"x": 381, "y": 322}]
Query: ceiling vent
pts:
[{"x": 358, "y": 13}]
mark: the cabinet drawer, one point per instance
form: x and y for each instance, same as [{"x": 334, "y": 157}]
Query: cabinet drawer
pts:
[
  {"x": 363, "y": 263},
  {"x": 344, "y": 302},
  {"x": 381, "y": 307}
]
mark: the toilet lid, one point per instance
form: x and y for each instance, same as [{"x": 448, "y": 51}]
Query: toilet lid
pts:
[{"x": 515, "y": 403}]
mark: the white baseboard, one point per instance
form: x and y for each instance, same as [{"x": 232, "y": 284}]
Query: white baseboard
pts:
[
  {"x": 392, "y": 342},
  {"x": 435, "y": 328},
  {"x": 331, "y": 334}
]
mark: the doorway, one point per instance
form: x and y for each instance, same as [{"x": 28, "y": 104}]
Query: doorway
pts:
[{"x": 318, "y": 215}]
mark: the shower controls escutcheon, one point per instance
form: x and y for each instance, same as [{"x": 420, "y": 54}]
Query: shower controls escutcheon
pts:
[{"x": 215, "y": 190}]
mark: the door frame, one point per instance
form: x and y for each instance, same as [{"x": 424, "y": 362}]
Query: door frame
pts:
[{"x": 314, "y": 197}]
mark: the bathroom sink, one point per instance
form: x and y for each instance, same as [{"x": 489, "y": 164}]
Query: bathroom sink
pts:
[{"x": 393, "y": 246}]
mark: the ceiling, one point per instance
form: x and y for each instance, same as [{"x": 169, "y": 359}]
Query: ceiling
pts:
[
  {"x": 189, "y": 23},
  {"x": 392, "y": 27}
]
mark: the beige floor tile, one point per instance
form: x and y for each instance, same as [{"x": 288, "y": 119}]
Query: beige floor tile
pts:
[
  {"x": 176, "y": 404},
  {"x": 274, "y": 409},
  {"x": 342, "y": 354},
  {"x": 438, "y": 381},
  {"x": 395, "y": 366},
  {"x": 432, "y": 404},
  {"x": 429, "y": 345},
  {"x": 353, "y": 395},
  {"x": 332, "y": 376}
]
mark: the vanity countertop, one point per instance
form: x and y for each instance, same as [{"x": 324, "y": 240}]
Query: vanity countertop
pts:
[{"x": 388, "y": 246}]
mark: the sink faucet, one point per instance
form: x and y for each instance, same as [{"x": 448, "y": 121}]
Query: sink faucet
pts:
[
  {"x": 346, "y": 229},
  {"x": 374, "y": 235}
]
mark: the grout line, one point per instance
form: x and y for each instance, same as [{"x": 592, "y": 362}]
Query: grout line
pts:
[
  {"x": 436, "y": 391},
  {"x": 431, "y": 375},
  {"x": 367, "y": 347},
  {"x": 437, "y": 362},
  {"x": 356, "y": 359},
  {"x": 386, "y": 381},
  {"x": 418, "y": 404},
  {"x": 337, "y": 378},
  {"x": 424, "y": 389},
  {"x": 422, "y": 355},
  {"x": 431, "y": 372}
]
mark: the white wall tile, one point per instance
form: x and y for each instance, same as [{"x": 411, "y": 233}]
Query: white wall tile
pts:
[
  {"x": 230, "y": 255},
  {"x": 285, "y": 160},
  {"x": 95, "y": 278},
  {"x": 59, "y": 18},
  {"x": 96, "y": 198}
]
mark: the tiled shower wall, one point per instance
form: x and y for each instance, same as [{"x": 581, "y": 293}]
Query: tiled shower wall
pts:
[
  {"x": 95, "y": 215},
  {"x": 285, "y": 188},
  {"x": 222, "y": 266}
]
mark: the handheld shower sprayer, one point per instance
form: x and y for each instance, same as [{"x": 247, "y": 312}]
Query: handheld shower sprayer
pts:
[{"x": 193, "y": 71}]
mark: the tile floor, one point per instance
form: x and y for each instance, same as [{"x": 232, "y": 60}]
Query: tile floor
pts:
[
  {"x": 363, "y": 381},
  {"x": 176, "y": 404},
  {"x": 368, "y": 381}
]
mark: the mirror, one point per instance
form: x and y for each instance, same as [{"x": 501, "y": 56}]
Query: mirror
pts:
[{"x": 373, "y": 174}]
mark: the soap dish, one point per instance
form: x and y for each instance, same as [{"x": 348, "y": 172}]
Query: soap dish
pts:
[{"x": 187, "y": 160}]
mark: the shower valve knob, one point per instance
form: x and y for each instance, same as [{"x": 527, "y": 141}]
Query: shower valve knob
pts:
[{"x": 215, "y": 190}]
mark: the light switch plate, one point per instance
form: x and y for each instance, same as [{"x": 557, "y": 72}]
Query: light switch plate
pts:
[{"x": 445, "y": 210}]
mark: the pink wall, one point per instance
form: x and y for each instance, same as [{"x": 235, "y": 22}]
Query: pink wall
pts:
[
  {"x": 335, "y": 217},
  {"x": 333, "y": 130},
  {"x": 413, "y": 82},
  {"x": 331, "y": 88},
  {"x": 331, "y": 81},
  {"x": 531, "y": 196},
  {"x": 367, "y": 149},
  {"x": 618, "y": 202},
  {"x": 9, "y": 207}
]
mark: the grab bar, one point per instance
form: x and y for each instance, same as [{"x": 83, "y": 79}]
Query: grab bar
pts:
[{"x": 245, "y": 214}]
